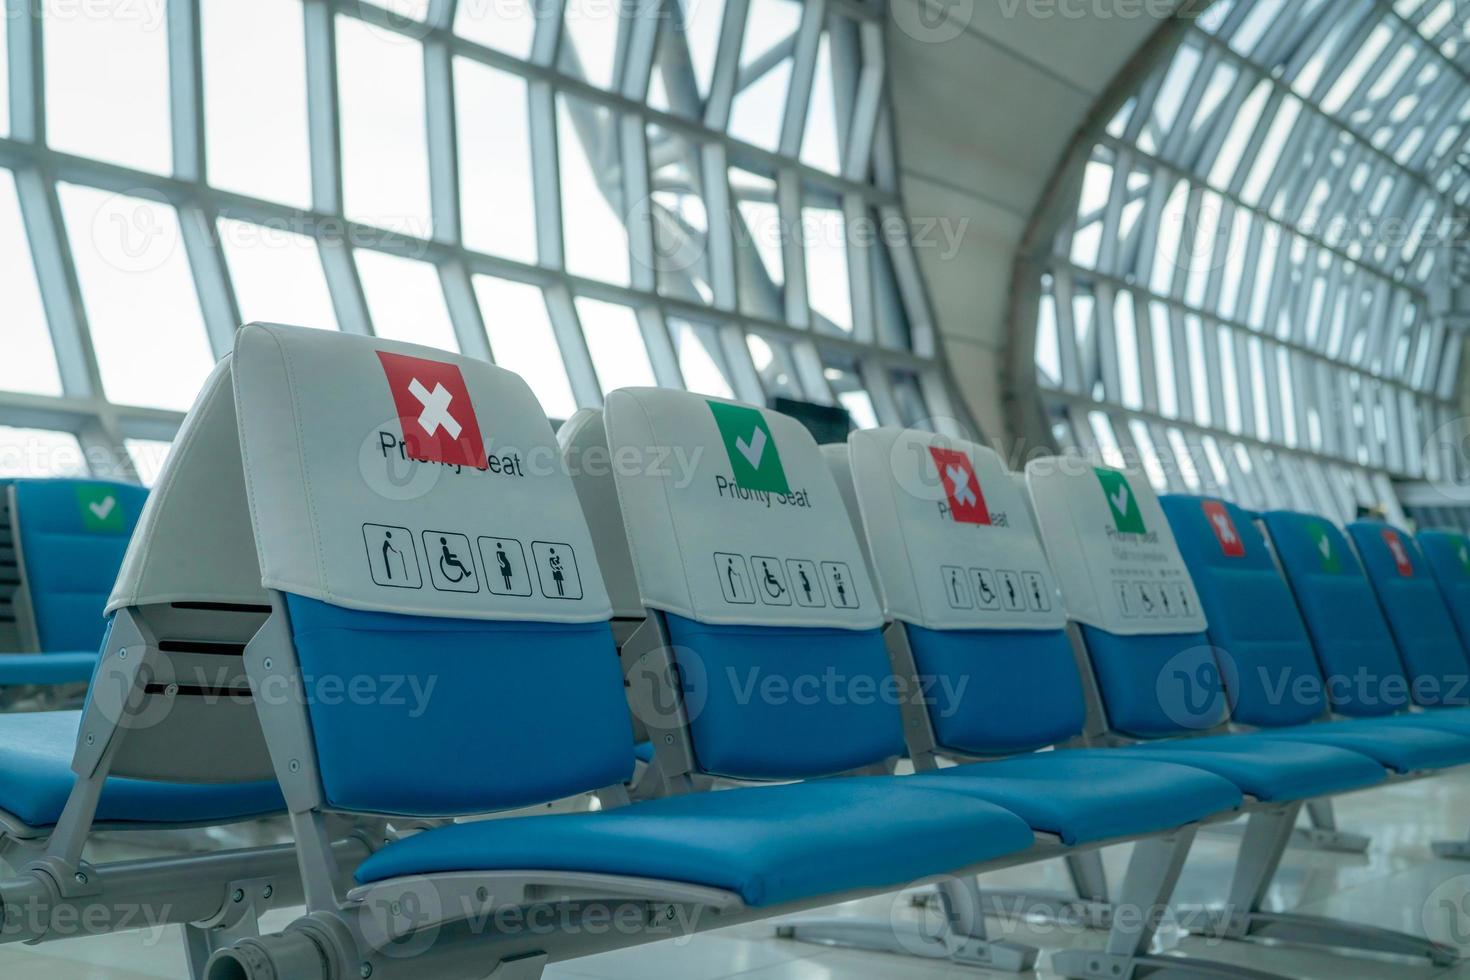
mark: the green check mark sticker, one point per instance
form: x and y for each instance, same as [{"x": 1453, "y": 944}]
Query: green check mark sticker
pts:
[
  {"x": 752, "y": 451},
  {"x": 1322, "y": 537},
  {"x": 99, "y": 507},
  {"x": 1122, "y": 501}
]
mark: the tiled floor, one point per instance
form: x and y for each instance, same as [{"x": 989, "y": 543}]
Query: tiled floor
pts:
[{"x": 1396, "y": 885}]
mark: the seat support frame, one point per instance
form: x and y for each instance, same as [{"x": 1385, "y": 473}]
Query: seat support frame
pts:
[
  {"x": 1319, "y": 834},
  {"x": 1268, "y": 832}
]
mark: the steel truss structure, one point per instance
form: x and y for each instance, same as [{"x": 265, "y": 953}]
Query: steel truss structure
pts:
[
  {"x": 1245, "y": 278},
  {"x": 745, "y": 236}
]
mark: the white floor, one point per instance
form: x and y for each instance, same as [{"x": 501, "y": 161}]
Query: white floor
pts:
[{"x": 1398, "y": 884}]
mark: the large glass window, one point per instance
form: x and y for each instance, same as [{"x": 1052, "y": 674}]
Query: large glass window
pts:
[
  {"x": 522, "y": 340},
  {"x": 405, "y": 300},
  {"x": 598, "y": 194},
  {"x": 107, "y": 81},
  {"x": 40, "y": 452},
  {"x": 1249, "y": 273},
  {"x": 4, "y": 77},
  {"x": 29, "y": 363},
  {"x": 496, "y": 194},
  {"x": 277, "y": 275},
  {"x": 146, "y": 325},
  {"x": 616, "y": 345},
  {"x": 592, "y": 200},
  {"x": 255, "y": 116},
  {"x": 385, "y": 160}
]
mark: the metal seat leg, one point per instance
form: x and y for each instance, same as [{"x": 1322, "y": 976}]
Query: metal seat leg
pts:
[
  {"x": 1244, "y": 917},
  {"x": 1142, "y": 904}
]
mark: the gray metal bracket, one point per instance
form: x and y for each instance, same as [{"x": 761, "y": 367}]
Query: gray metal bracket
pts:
[
  {"x": 402, "y": 905},
  {"x": 520, "y": 968},
  {"x": 655, "y": 697},
  {"x": 238, "y": 918},
  {"x": 960, "y": 938},
  {"x": 918, "y": 728},
  {"x": 1245, "y": 917},
  {"x": 1320, "y": 832}
]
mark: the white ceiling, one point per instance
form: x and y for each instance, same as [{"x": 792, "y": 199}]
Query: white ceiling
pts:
[{"x": 988, "y": 96}]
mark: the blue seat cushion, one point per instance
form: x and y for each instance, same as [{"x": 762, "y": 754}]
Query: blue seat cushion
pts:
[
  {"x": 1456, "y": 720},
  {"x": 47, "y": 668},
  {"x": 769, "y": 844},
  {"x": 1401, "y": 746},
  {"x": 1087, "y": 795},
  {"x": 1273, "y": 772},
  {"x": 992, "y": 692},
  {"x": 778, "y": 703},
  {"x": 36, "y": 778}
]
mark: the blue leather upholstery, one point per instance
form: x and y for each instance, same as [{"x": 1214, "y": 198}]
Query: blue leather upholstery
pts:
[
  {"x": 1395, "y": 742},
  {"x": 1347, "y": 628},
  {"x": 1456, "y": 720},
  {"x": 1270, "y": 671},
  {"x": 1085, "y": 795},
  {"x": 769, "y": 844},
  {"x": 71, "y": 562},
  {"x": 1428, "y": 642},
  {"x": 1273, "y": 771},
  {"x": 1447, "y": 553},
  {"x": 1001, "y": 691},
  {"x": 36, "y": 778},
  {"x": 47, "y": 668},
  {"x": 1149, "y": 684},
  {"x": 527, "y": 712},
  {"x": 1276, "y": 685},
  {"x": 786, "y": 702}
]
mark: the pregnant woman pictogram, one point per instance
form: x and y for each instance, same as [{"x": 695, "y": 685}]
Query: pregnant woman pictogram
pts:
[{"x": 504, "y": 563}]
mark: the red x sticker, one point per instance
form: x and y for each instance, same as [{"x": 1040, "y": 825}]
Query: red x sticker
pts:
[
  {"x": 1400, "y": 552},
  {"x": 961, "y": 486},
  {"x": 1225, "y": 533},
  {"x": 434, "y": 408}
]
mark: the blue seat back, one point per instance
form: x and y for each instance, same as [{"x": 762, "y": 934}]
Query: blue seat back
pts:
[
  {"x": 72, "y": 535},
  {"x": 994, "y": 692},
  {"x": 769, "y": 702},
  {"x": 1427, "y": 640},
  {"x": 1353, "y": 642},
  {"x": 459, "y": 716},
  {"x": 1267, "y": 662},
  {"x": 1447, "y": 555},
  {"x": 1157, "y": 685}
]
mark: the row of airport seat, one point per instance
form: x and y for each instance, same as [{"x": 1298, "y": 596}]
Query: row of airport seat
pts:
[{"x": 380, "y": 626}]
